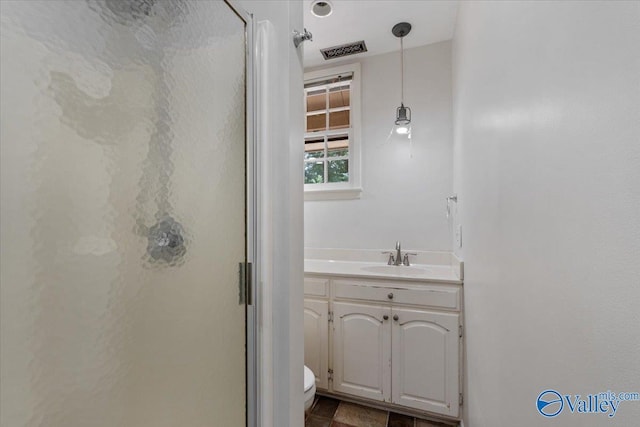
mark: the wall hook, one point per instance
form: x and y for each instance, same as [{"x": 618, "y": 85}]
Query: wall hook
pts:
[{"x": 299, "y": 37}]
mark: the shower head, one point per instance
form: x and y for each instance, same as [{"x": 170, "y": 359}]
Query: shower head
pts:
[
  {"x": 140, "y": 10},
  {"x": 136, "y": 9}
]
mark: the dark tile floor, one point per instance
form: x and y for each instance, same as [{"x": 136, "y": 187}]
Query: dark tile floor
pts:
[{"x": 328, "y": 412}]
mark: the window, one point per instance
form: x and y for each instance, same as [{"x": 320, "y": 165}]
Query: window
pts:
[{"x": 331, "y": 148}]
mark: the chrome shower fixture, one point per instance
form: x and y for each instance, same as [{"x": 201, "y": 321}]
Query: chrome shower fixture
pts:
[
  {"x": 299, "y": 37},
  {"x": 166, "y": 240}
]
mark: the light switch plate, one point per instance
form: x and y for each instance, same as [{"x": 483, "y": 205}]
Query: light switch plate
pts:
[{"x": 459, "y": 235}]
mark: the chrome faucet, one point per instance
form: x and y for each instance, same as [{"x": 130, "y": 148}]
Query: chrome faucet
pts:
[
  {"x": 398, "y": 259},
  {"x": 391, "y": 260},
  {"x": 405, "y": 260},
  {"x": 398, "y": 254}
]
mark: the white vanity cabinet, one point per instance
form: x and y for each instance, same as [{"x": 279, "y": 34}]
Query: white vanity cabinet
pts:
[
  {"x": 362, "y": 350},
  {"x": 316, "y": 329},
  {"x": 391, "y": 341},
  {"x": 425, "y": 360}
]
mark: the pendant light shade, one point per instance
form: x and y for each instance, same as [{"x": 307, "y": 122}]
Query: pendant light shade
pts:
[{"x": 403, "y": 114}]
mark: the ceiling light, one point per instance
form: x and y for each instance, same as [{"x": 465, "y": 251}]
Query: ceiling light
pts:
[
  {"x": 321, "y": 8},
  {"x": 403, "y": 114}
]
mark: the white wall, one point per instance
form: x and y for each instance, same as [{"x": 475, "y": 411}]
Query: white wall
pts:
[
  {"x": 281, "y": 320},
  {"x": 403, "y": 198},
  {"x": 547, "y": 161}
]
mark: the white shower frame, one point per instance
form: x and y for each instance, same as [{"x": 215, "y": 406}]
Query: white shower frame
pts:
[
  {"x": 251, "y": 214},
  {"x": 274, "y": 317}
]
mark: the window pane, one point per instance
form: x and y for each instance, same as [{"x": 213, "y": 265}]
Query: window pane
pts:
[
  {"x": 313, "y": 172},
  {"x": 314, "y": 148},
  {"x": 316, "y": 102},
  {"x": 338, "y": 146},
  {"x": 316, "y": 122},
  {"x": 341, "y": 152},
  {"x": 339, "y": 97},
  {"x": 339, "y": 120},
  {"x": 338, "y": 171}
]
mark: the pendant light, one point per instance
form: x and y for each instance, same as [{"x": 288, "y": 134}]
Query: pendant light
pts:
[{"x": 403, "y": 114}]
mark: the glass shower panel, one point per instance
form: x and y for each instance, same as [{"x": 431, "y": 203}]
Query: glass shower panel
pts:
[{"x": 122, "y": 213}]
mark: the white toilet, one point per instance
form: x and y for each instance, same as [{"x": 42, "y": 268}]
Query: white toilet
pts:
[{"x": 309, "y": 388}]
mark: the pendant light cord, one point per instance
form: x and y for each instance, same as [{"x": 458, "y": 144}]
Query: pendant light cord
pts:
[{"x": 401, "y": 71}]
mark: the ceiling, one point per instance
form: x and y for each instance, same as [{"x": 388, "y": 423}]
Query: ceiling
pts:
[{"x": 372, "y": 20}]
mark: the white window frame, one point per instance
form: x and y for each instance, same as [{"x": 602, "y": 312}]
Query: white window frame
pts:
[{"x": 340, "y": 190}]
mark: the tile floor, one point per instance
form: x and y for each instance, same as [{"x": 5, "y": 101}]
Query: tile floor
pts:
[{"x": 328, "y": 412}]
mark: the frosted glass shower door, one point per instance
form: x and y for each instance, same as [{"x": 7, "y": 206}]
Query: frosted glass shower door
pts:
[{"x": 122, "y": 214}]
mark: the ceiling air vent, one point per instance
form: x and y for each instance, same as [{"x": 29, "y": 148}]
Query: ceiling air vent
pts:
[{"x": 344, "y": 50}]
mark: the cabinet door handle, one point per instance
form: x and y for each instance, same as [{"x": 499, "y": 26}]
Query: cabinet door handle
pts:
[
  {"x": 395, "y": 317},
  {"x": 390, "y": 296},
  {"x": 385, "y": 317}
]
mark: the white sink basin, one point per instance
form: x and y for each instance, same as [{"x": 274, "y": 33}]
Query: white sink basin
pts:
[{"x": 396, "y": 270}]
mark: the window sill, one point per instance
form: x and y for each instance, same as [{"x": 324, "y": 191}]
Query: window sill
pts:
[{"x": 333, "y": 194}]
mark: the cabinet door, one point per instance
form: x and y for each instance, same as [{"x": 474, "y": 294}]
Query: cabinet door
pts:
[
  {"x": 362, "y": 350},
  {"x": 316, "y": 329},
  {"x": 425, "y": 360}
]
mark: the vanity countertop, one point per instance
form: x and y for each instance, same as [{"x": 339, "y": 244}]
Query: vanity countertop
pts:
[
  {"x": 416, "y": 272},
  {"x": 430, "y": 267}
]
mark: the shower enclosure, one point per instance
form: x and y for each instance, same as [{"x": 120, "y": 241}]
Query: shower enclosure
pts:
[{"x": 123, "y": 213}]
